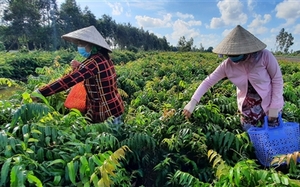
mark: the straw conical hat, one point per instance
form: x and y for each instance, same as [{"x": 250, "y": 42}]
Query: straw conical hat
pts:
[
  {"x": 88, "y": 34},
  {"x": 239, "y": 41}
]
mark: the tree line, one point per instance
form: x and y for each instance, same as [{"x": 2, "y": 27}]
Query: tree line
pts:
[{"x": 39, "y": 24}]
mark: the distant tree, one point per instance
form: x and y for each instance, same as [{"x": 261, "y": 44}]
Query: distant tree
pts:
[
  {"x": 209, "y": 49},
  {"x": 184, "y": 45},
  {"x": 107, "y": 27},
  {"x": 71, "y": 17},
  {"x": 201, "y": 48},
  {"x": 284, "y": 41},
  {"x": 2, "y": 47},
  {"x": 23, "y": 18}
]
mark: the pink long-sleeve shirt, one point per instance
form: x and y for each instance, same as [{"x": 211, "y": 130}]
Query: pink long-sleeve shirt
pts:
[{"x": 263, "y": 72}]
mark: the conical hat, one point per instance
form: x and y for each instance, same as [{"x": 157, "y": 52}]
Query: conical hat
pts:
[
  {"x": 88, "y": 34},
  {"x": 239, "y": 41}
]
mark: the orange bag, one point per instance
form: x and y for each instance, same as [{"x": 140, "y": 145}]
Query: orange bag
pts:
[{"x": 77, "y": 97}]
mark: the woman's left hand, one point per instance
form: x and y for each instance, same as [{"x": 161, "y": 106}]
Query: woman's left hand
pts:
[
  {"x": 74, "y": 64},
  {"x": 271, "y": 119}
]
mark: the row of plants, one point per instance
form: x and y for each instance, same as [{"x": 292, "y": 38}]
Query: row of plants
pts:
[
  {"x": 19, "y": 65},
  {"x": 44, "y": 144}
]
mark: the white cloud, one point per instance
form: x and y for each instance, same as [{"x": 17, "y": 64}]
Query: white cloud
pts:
[
  {"x": 116, "y": 7},
  {"x": 274, "y": 30},
  {"x": 216, "y": 23},
  {"x": 231, "y": 14},
  {"x": 270, "y": 41},
  {"x": 194, "y": 23},
  {"x": 149, "y": 22},
  {"x": 184, "y": 16},
  {"x": 250, "y": 4},
  {"x": 208, "y": 40},
  {"x": 148, "y": 5},
  {"x": 257, "y": 24},
  {"x": 259, "y": 21},
  {"x": 226, "y": 32},
  {"x": 288, "y": 10},
  {"x": 183, "y": 28},
  {"x": 297, "y": 29}
]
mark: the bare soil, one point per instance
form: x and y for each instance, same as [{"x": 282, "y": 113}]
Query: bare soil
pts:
[{"x": 289, "y": 58}]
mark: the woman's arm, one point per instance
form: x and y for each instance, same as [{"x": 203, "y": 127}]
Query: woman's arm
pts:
[
  {"x": 85, "y": 71},
  {"x": 274, "y": 71}
]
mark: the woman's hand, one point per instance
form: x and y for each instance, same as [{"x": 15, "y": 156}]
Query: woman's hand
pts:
[
  {"x": 189, "y": 108},
  {"x": 74, "y": 64},
  {"x": 34, "y": 97},
  {"x": 273, "y": 114},
  {"x": 186, "y": 113}
]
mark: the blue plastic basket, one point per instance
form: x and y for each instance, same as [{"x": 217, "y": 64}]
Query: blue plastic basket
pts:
[{"x": 271, "y": 141}]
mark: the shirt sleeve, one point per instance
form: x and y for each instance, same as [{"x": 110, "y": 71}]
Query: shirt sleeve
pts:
[
  {"x": 218, "y": 74},
  {"x": 274, "y": 71},
  {"x": 86, "y": 70}
]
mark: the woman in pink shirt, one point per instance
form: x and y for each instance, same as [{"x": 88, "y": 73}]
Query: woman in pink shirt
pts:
[{"x": 254, "y": 71}]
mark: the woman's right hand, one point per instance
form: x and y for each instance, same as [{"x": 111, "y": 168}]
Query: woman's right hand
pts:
[
  {"x": 189, "y": 108},
  {"x": 74, "y": 64},
  {"x": 186, "y": 113}
]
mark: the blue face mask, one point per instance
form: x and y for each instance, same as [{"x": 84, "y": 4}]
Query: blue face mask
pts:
[
  {"x": 236, "y": 59},
  {"x": 83, "y": 52}
]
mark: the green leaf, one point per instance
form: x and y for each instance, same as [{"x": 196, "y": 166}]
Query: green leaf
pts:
[
  {"x": 34, "y": 131},
  {"x": 33, "y": 179},
  {"x": 29, "y": 151},
  {"x": 220, "y": 136},
  {"x": 13, "y": 177},
  {"x": 94, "y": 178},
  {"x": 264, "y": 175},
  {"x": 56, "y": 180},
  {"x": 17, "y": 177},
  {"x": 25, "y": 129},
  {"x": 12, "y": 143},
  {"x": 4, "y": 171},
  {"x": 276, "y": 178},
  {"x": 33, "y": 140},
  {"x": 284, "y": 180},
  {"x": 38, "y": 95},
  {"x": 87, "y": 184},
  {"x": 97, "y": 160},
  {"x": 237, "y": 176},
  {"x": 84, "y": 162},
  {"x": 71, "y": 172},
  {"x": 57, "y": 161},
  {"x": 231, "y": 138}
]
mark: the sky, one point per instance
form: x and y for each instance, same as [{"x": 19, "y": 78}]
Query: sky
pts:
[{"x": 206, "y": 21}]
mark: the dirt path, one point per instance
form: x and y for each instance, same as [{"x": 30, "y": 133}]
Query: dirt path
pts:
[{"x": 290, "y": 59}]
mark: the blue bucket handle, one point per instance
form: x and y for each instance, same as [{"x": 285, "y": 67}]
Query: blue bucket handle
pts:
[{"x": 280, "y": 121}]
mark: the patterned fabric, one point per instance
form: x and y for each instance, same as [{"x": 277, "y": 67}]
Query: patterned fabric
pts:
[
  {"x": 100, "y": 80},
  {"x": 252, "y": 112}
]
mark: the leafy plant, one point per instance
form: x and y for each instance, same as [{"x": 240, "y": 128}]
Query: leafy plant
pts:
[
  {"x": 246, "y": 173},
  {"x": 154, "y": 146}
]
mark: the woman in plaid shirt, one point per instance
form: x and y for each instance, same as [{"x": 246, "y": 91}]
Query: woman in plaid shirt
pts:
[{"x": 98, "y": 73}]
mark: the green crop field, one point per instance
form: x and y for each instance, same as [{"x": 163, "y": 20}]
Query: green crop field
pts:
[{"x": 45, "y": 144}]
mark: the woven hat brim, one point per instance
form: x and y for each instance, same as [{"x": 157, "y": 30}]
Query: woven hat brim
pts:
[
  {"x": 239, "y": 41},
  {"x": 89, "y": 34}
]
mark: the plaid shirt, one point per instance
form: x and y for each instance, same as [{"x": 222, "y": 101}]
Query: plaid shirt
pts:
[{"x": 100, "y": 80}]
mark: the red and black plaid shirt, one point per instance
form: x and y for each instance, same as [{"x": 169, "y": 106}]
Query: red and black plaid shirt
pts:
[{"x": 100, "y": 80}]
